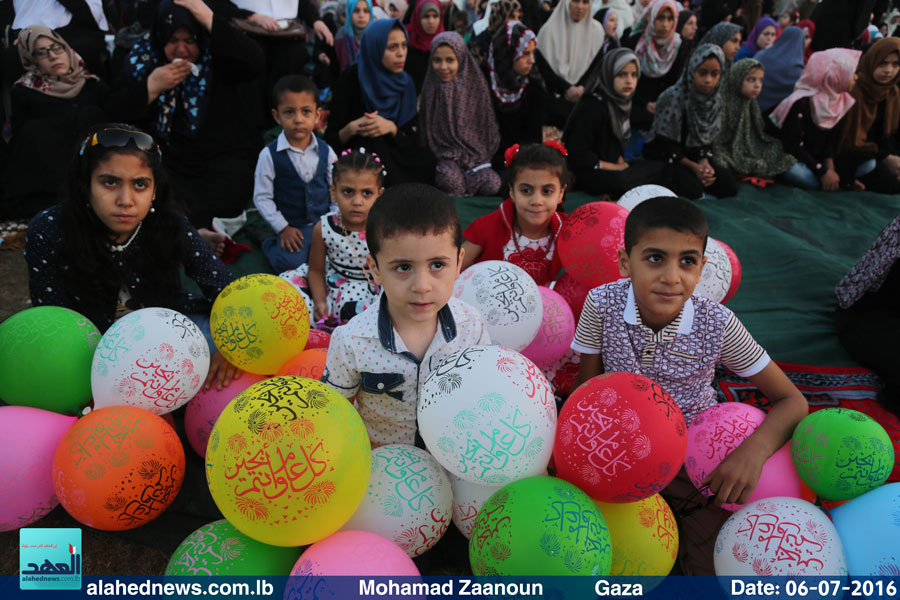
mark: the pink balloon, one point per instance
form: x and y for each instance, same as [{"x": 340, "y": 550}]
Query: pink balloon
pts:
[
  {"x": 717, "y": 431},
  {"x": 590, "y": 240},
  {"x": 28, "y": 441},
  {"x": 204, "y": 409},
  {"x": 556, "y": 332},
  {"x": 735, "y": 272},
  {"x": 355, "y": 553}
]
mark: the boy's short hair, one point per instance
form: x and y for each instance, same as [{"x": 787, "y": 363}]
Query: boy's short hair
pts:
[
  {"x": 411, "y": 208},
  {"x": 665, "y": 212},
  {"x": 294, "y": 83}
]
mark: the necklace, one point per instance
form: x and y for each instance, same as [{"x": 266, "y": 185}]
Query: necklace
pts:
[{"x": 121, "y": 247}]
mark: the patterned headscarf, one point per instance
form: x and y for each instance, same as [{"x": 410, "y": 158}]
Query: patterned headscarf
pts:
[
  {"x": 501, "y": 13},
  {"x": 743, "y": 145},
  {"x": 719, "y": 36},
  {"x": 457, "y": 118},
  {"x": 656, "y": 61},
  {"x": 683, "y": 104},
  {"x": 418, "y": 39},
  {"x": 507, "y": 47},
  {"x": 35, "y": 78},
  {"x": 191, "y": 95},
  {"x": 869, "y": 94},
  {"x": 870, "y": 273},
  {"x": 825, "y": 81}
]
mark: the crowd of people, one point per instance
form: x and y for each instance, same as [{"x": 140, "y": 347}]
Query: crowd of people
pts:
[{"x": 392, "y": 107}]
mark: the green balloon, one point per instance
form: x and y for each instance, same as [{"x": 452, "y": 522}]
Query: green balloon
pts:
[
  {"x": 540, "y": 526},
  {"x": 45, "y": 359},
  {"x": 218, "y": 548},
  {"x": 841, "y": 454}
]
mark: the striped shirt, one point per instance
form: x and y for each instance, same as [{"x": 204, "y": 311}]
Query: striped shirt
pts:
[{"x": 681, "y": 357}]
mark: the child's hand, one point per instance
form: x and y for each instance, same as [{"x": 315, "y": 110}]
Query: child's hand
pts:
[
  {"x": 831, "y": 181},
  {"x": 323, "y": 58},
  {"x": 221, "y": 371},
  {"x": 320, "y": 310},
  {"x": 291, "y": 239},
  {"x": 737, "y": 475}
]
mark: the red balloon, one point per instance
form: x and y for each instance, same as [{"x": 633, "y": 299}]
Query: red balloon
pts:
[
  {"x": 309, "y": 363},
  {"x": 590, "y": 240},
  {"x": 573, "y": 292},
  {"x": 735, "y": 272},
  {"x": 317, "y": 339},
  {"x": 620, "y": 438}
]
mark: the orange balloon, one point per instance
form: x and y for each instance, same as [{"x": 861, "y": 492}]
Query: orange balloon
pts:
[
  {"x": 118, "y": 468},
  {"x": 309, "y": 363}
]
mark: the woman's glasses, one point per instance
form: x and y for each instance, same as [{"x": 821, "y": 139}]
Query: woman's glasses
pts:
[
  {"x": 115, "y": 137},
  {"x": 45, "y": 52}
]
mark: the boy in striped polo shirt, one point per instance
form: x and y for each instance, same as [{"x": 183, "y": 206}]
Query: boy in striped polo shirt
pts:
[{"x": 652, "y": 324}]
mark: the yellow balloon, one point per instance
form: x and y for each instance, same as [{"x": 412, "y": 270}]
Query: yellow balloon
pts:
[
  {"x": 288, "y": 461},
  {"x": 644, "y": 536},
  {"x": 258, "y": 322}
]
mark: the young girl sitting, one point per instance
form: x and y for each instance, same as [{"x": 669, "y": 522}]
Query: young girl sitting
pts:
[
  {"x": 336, "y": 283},
  {"x": 743, "y": 145},
  {"x": 687, "y": 122},
  {"x": 458, "y": 121},
  {"x": 523, "y": 230},
  {"x": 358, "y": 16}
]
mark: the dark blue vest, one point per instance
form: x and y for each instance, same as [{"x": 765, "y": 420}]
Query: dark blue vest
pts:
[{"x": 301, "y": 203}]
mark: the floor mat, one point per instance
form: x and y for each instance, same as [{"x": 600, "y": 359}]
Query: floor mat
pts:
[{"x": 824, "y": 387}]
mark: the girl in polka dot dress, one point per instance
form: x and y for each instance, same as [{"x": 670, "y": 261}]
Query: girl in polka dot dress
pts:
[{"x": 336, "y": 283}]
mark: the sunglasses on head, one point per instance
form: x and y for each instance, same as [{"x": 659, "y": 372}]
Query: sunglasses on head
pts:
[{"x": 115, "y": 137}]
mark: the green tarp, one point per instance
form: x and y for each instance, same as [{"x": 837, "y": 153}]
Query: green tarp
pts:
[{"x": 794, "y": 246}]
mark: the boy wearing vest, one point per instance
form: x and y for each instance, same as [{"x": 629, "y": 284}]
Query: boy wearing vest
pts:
[
  {"x": 293, "y": 174},
  {"x": 652, "y": 324}
]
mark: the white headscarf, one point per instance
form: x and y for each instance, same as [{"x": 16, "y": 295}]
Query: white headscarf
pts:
[
  {"x": 567, "y": 46},
  {"x": 623, "y": 11}
]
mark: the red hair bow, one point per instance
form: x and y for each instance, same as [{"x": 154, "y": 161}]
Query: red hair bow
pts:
[
  {"x": 557, "y": 146},
  {"x": 510, "y": 155}
]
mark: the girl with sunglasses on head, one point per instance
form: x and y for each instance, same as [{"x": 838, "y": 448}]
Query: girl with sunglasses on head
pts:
[{"x": 116, "y": 241}]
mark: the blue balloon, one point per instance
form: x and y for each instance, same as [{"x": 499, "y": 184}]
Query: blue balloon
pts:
[{"x": 869, "y": 528}]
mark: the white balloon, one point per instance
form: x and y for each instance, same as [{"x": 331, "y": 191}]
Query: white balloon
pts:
[
  {"x": 635, "y": 196},
  {"x": 153, "y": 358},
  {"x": 779, "y": 536},
  {"x": 468, "y": 498},
  {"x": 716, "y": 277},
  {"x": 488, "y": 415},
  {"x": 508, "y": 299},
  {"x": 409, "y": 499}
]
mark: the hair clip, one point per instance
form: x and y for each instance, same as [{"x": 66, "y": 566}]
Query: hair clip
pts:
[
  {"x": 557, "y": 146},
  {"x": 510, "y": 155}
]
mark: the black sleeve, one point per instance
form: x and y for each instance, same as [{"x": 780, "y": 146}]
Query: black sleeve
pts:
[
  {"x": 554, "y": 82},
  {"x": 665, "y": 149},
  {"x": 793, "y": 136},
  {"x": 235, "y": 55},
  {"x": 201, "y": 265},
  {"x": 227, "y": 9},
  {"x": 345, "y": 103},
  {"x": 46, "y": 282},
  {"x": 308, "y": 12},
  {"x": 581, "y": 137},
  {"x": 126, "y": 102}
]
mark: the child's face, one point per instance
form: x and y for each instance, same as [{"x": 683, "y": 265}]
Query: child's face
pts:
[
  {"x": 731, "y": 47},
  {"x": 522, "y": 66},
  {"x": 394, "y": 57},
  {"x": 766, "y": 37},
  {"x": 355, "y": 192},
  {"x": 807, "y": 39},
  {"x": 612, "y": 23},
  {"x": 664, "y": 24},
  {"x": 297, "y": 113},
  {"x": 431, "y": 20},
  {"x": 536, "y": 194},
  {"x": 785, "y": 21},
  {"x": 122, "y": 192},
  {"x": 689, "y": 31},
  {"x": 665, "y": 267},
  {"x": 626, "y": 80},
  {"x": 752, "y": 84},
  {"x": 707, "y": 75},
  {"x": 360, "y": 18},
  {"x": 445, "y": 63},
  {"x": 417, "y": 273},
  {"x": 887, "y": 70}
]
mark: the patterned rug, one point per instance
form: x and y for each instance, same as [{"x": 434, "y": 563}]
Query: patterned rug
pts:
[{"x": 824, "y": 387}]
